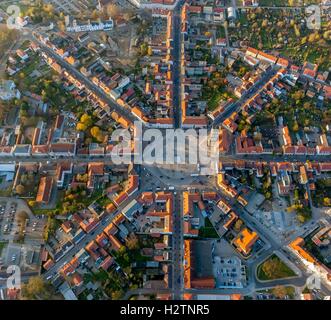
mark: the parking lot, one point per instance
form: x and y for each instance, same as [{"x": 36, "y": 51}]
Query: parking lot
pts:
[
  {"x": 13, "y": 228},
  {"x": 21, "y": 235},
  {"x": 69, "y": 7},
  {"x": 75, "y": 7},
  {"x": 229, "y": 272},
  {"x": 13, "y": 255},
  {"x": 7, "y": 220}
]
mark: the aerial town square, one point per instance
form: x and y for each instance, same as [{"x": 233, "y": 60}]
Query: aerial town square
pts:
[{"x": 165, "y": 150}]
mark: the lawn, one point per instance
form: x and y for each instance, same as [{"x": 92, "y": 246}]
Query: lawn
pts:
[
  {"x": 2, "y": 245},
  {"x": 290, "y": 291},
  {"x": 208, "y": 231},
  {"x": 103, "y": 201},
  {"x": 214, "y": 101},
  {"x": 280, "y": 292},
  {"x": 273, "y": 268},
  {"x": 101, "y": 276}
]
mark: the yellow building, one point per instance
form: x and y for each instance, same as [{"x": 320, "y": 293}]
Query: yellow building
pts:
[{"x": 245, "y": 241}]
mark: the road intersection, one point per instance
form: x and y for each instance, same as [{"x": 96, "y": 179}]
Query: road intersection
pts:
[{"x": 162, "y": 177}]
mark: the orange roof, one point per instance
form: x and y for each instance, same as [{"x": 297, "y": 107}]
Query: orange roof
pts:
[
  {"x": 233, "y": 218},
  {"x": 35, "y": 136},
  {"x": 116, "y": 244},
  {"x": 252, "y": 52},
  {"x": 163, "y": 296},
  {"x": 187, "y": 264},
  {"x": 266, "y": 56},
  {"x": 66, "y": 226},
  {"x": 68, "y": 269},
  {"x": 133, "y": 184},
  {"x": 77, "y": 279},
  {"x": 202, "y": 120},
  {"x": 245, "y": 240},
  {"x": 111, "y": 208},
  {"x": 74, "y": 262},
  {"x": 161, "y": 120},
  {"x": 89, "y": 225},
  {"x": 13, "y": 294},
  {"x": 220, "y": 178},
  {"x": 124, "y": 122},
  {"x": 297, "y": 246},
  {"x": 283, "y": 62},
  {"x": 61, "y": 167},
  {"x": 147, "y": 197},
  {"x": 100, "y": 239},
  {"x": 48, "y": 264},
  {"x": 309, "y": 72},
  {"x": 139, "y": 113},
  {"x": 188, "y": 230},
  {"x": 189, "y": 280},
  {"x": 286, "y": 136},
  {"x": 163, "y": 196},
  {"x": 96, "y": 168},
  {"x": 118, "y": 219},
  {"x": 188, "y": 200},
  {"x": 107, "y": 263},
  {"x": 224, "y": 139},
  {"x": 230, "y": 124},
  {"x": 110, "y": 230},
  {"x": 200, "y": 283},
  {"x": 120, "y": 198},
  {"x": 45, "y": 189},
  {"x": 195, "y": 9},
  {"x": 209, "y": 195}
]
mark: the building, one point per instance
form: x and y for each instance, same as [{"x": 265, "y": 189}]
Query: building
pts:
[
  {"x": 303, "y": 175},
  {"x": 191, "y": 281},
  {"x": 95, "y": 174},
  {"x": 7, "y": 170},
  {"x": 154, "y": 4},
  {"x": 311, "y": 263},
  {"x": 245, "y": 241},
  {"x": 45, "y": 190},
  {"x": 131, "y": 209},
  {"x": 8, "y": 90},
  {"x": 91, "y": 26},
  {"x": 232, "y": 13},
  {"x": 62, "y": 171}
]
